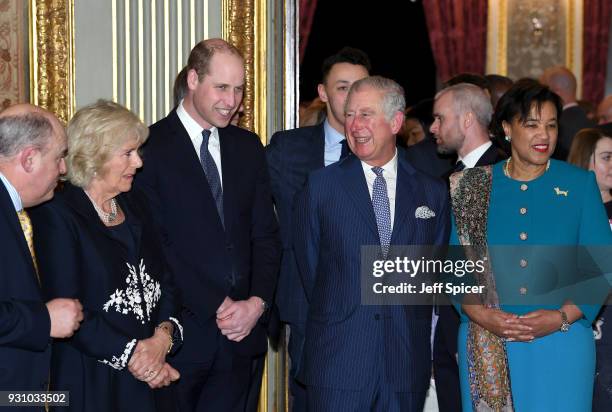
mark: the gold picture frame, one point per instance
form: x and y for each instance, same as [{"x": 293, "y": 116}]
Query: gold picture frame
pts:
[
  {"x": 52, "y": 56},
  {"x": 526, "y": 36}
]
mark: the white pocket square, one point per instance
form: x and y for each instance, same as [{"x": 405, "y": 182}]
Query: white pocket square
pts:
[{"x": 423, "y": 212}]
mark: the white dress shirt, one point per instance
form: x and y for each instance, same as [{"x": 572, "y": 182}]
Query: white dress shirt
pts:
[
  {"x": 390, "y": 175},
  {"x": 474, "y": 156},
  {"x": 12, "y": 193},
  {"x": 195, "y": 134}
]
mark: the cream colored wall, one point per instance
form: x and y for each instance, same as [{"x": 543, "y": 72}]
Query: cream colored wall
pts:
[{"x": 131, "y": 50}]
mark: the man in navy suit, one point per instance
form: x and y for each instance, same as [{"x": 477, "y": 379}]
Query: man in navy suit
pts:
[
  {"x": 292, "y": 154},
  {"x": 365, "y": 357},
  {"x": 209, "y": 189},
  {"x": 32, "y": 151},
  {"x": 462, "y": 114}
]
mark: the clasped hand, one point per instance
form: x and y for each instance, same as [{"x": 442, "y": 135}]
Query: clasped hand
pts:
[
  {"x": 237, "y": 318},
  {"x": 513, "y": 327},
  {"x": 148, "y": 362}
]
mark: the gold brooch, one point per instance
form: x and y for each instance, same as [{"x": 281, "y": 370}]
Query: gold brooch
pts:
[{"x": 560, "y": 192}]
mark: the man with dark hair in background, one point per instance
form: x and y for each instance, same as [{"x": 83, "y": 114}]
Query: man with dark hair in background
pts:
[
  {"x": 292, "y": 155},
  {"x": 498, "y": 85}
]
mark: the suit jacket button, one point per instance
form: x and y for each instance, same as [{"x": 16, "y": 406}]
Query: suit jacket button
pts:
[{"x": 377, "y": 316}]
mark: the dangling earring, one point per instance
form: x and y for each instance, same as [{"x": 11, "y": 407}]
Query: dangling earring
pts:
[{"x": 508, "y": 138}]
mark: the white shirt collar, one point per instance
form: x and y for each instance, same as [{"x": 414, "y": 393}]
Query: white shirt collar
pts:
[
  {"x": 472, "y": 158},
  {"x": 569, "y": 105},
  {"x": 390, "y": 167},
  {"x": 332, "y": 137},
  {"x": 193, "y": 128},
  {"x": 12, "y": 193}
]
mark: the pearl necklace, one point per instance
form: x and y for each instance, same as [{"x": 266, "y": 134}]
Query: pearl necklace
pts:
[
  {"x": 107, "y": 218},
  {"x": 507, "y": 163}
]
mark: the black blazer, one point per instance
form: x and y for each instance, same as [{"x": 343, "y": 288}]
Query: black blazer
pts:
[
  {"x": 424, "y": 156},
  {"x": 491, "y": 156},
  {"x": 25, "y": 345},
  {"x": 80, "y": 258},
  {"x": 571, "y": 120},
  {"x": 211, "y": 261},
  {"x": 292, "y": 155}
]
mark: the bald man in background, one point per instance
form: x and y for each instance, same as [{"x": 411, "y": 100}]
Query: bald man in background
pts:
[
  {"x": 573, "y": 118},
  {"x": 32, "y": 151}
]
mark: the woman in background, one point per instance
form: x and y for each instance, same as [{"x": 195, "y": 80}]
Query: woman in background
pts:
[{"x": 592, "y": 150}]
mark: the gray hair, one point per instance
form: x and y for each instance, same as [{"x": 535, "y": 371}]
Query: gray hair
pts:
[
  {"x": 19, "y": 131},
  {"x": 470, "y": 98},
  {"x": 393, "y": 99}
]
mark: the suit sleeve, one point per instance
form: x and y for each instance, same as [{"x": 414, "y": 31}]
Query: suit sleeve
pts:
[
  {"x": 64, "y": 271},
  {"x": 24, "y": 324},
  {"x": 306, "y": 237},
  {"x": 265, "y": 241}
]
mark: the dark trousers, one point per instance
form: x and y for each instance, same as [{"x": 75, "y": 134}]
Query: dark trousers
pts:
[
  {"x": 446, "y": 369},
  {"x": 373, "y": 398},
  {"x": 220, "y": 383},
  {"x": 296, "y": 388},
  {"x": 376, "y": 395},
  {"x": 257, "y": 368}
]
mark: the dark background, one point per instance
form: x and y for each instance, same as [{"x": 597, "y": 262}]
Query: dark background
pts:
[{"x": 392, "y": 33}]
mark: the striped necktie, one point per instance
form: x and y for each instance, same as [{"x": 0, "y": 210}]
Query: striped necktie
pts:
[
  {"x": 28, "y": 232},
  {"x": 212, "y": 173}
]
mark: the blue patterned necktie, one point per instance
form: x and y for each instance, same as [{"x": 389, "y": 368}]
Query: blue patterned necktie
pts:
[
  {"x": 212, "y": 173},
  {"x": 382, "y": 210}
]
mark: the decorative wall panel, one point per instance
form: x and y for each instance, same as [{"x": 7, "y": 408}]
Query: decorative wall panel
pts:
[{"x": 13, "y": 53}]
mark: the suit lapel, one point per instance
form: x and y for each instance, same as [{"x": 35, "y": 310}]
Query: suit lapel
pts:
[
  {"x": 183, "y": 154},
  {"x": 489, "y": 157},
  {"x": 10, "y": 215},
  {"x": 183, "y": 158},
  {"x": 404, "y": 197},
  {"x": 318, "y": 146},
  {"x": 229, "y": 166},
  {"x": 354, "y": 184}
]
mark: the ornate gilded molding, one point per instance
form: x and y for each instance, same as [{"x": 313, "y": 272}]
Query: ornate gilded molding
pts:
[
  {"x": 244, "y": 25},
  {"x": 52, "y": 56}
]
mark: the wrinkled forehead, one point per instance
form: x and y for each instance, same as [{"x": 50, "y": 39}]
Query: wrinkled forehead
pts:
[{"x": 364, "y": 97}]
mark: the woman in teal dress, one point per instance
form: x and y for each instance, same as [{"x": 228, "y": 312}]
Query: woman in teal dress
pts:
[{"x": 524, "y": 345}]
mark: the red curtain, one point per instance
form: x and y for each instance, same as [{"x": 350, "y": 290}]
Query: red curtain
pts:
[
  {"x": 595, "y": 48},
  {"x": 458, "y": 35},
  {"x": 307, "y": 11}
]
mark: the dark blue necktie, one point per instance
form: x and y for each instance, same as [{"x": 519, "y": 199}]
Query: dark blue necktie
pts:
[
  {"x": 212, "y": 173},
  {"x": 382, "y": 210},
  {"x": 346, "y": 150},
  {"x": 459, "y": 166}
]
